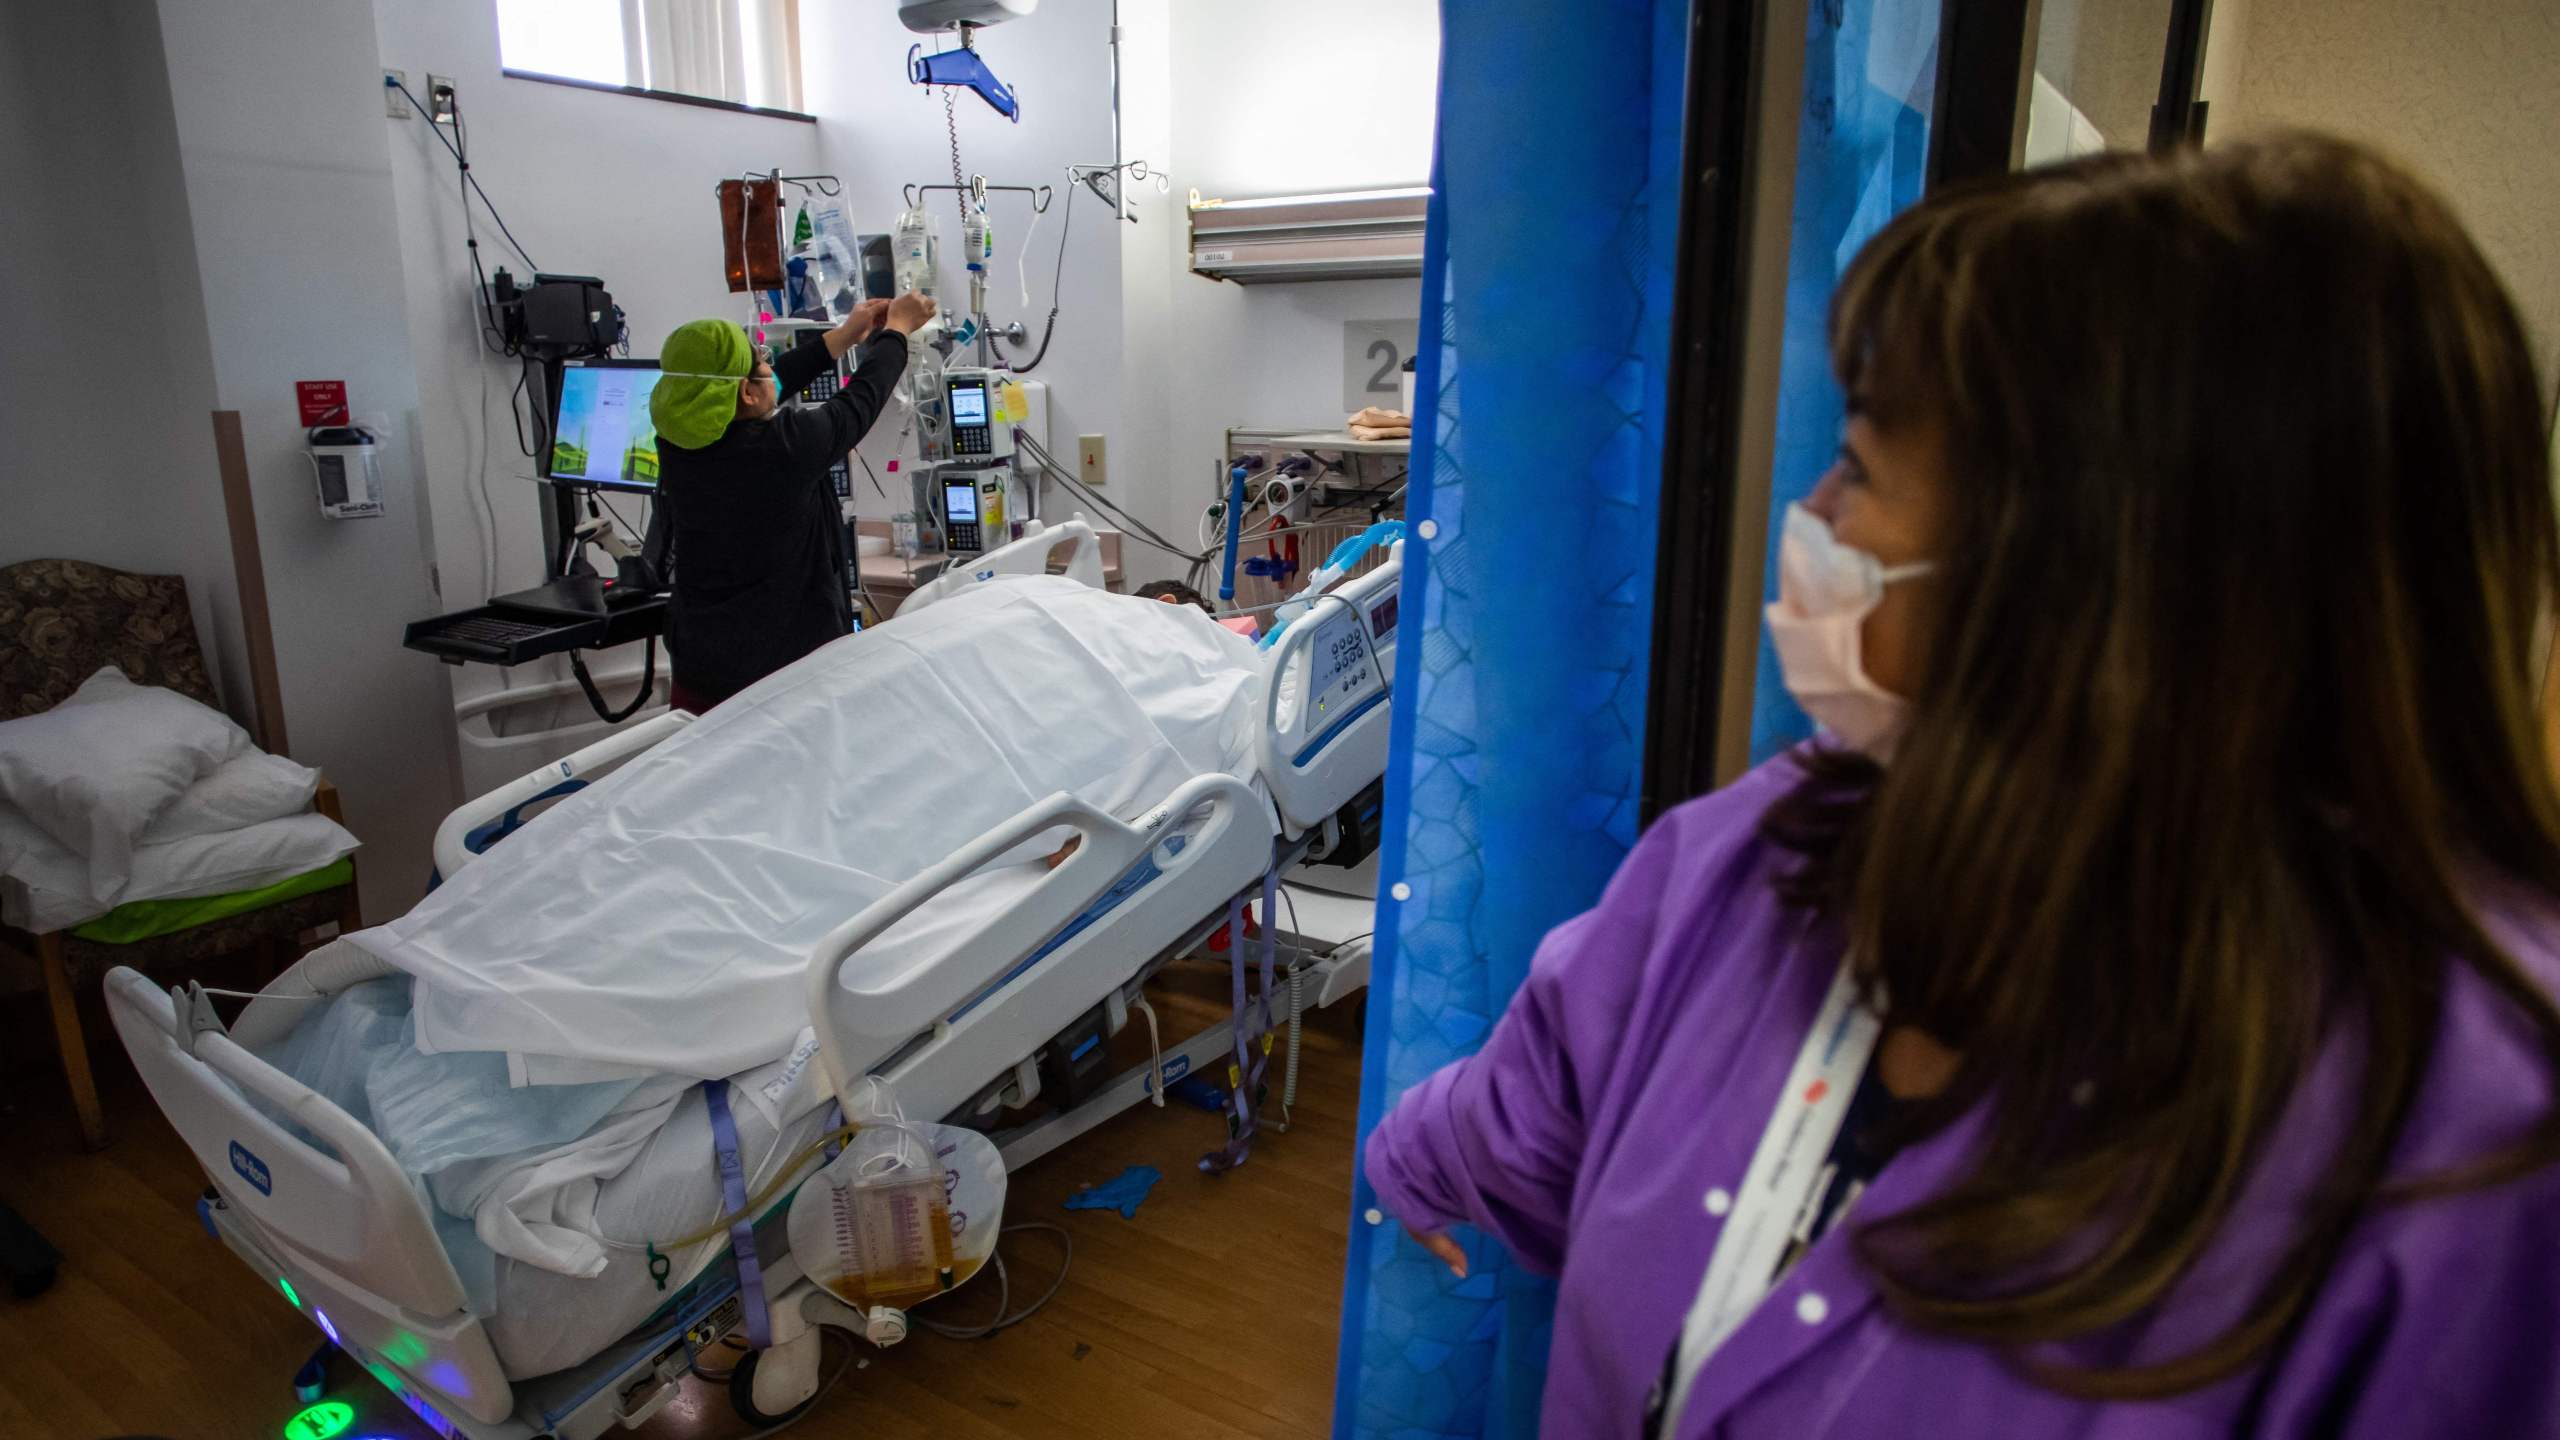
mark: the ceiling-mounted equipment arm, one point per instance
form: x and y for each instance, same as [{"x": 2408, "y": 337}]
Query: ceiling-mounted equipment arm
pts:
[
  {"x": 963, "y": 67},
  {"x": 927, "y": 17}
]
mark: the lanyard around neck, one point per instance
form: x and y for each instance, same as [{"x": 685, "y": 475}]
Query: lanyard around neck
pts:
[{"x": 1785, "y": 1168}]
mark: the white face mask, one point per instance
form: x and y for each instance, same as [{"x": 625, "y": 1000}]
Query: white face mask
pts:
[{"x": 1826, "y": 590}]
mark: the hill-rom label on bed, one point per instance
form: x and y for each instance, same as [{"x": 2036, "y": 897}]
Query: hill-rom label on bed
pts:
[{"x": 252, "y": 1169}]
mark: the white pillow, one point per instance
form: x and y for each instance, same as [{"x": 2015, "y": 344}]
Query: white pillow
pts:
[
  {"x": 46, "y": 886},
  {"x": 95, "y": 770},
  {"x": 250, "y": 788}
]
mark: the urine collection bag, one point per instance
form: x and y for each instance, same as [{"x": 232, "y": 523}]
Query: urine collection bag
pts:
[{"x": 906, "y": 1212}]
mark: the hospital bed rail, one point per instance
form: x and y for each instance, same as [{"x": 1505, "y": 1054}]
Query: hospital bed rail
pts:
[
  {"x": 1325, "y": 736},
  {"x": 1031, "y": 555},
  {"x": 1048, "y": 957},
  {"x": 480, "y": 823}
]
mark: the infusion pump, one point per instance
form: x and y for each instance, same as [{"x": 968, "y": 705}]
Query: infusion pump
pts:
[
  {"x": 981, "y": 482},
  {"x": 975, "y": 408},
  {"x": 973, "y": 510}
]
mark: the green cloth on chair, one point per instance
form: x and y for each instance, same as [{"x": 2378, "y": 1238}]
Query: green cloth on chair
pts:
[{"x": 141, "y": 920}]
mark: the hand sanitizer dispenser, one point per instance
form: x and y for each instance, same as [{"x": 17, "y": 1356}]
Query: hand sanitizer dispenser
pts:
[{"x": 346, "y": 468}]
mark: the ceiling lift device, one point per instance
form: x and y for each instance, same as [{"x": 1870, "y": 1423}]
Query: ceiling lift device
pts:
[{"x": 962, "y": 66}]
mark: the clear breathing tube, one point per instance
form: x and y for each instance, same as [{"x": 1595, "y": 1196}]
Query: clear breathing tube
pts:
[{"x": 1336, "y": 565}]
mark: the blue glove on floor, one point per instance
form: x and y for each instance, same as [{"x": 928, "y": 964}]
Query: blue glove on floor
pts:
[{"x": 1124, "y": 1193}]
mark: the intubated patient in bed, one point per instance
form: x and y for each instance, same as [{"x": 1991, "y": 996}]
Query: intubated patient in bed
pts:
[{"x": 654, "y": 929}]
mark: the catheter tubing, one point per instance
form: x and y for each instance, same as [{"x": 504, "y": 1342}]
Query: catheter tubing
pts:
[{"x": 1235, "y": 525}]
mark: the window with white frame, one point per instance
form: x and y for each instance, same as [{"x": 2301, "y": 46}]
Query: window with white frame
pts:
[{"x": 745, "y": 52}]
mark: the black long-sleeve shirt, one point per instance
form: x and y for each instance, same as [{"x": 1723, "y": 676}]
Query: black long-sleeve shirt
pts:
[{"x": 758, "y": 534}]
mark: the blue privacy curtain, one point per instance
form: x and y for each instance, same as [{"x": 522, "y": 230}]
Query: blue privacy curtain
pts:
[
  {"x": 1519, "y": 719},
  {"x": 1862, "y": 150}
]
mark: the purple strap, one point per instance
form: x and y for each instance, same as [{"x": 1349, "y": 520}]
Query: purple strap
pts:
[
  {"x": 1261, "y": 1057},
  {"x": 1253, "y": 1021},
  {"x": 733, "y": 1196}
]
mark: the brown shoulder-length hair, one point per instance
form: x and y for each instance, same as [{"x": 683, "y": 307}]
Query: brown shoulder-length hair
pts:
[{"x": 2227, "y": 712}]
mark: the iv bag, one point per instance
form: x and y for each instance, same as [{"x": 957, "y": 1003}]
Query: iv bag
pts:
[
  {"x": 919, "y": 255},
  {"x": 977, "y": 239},
  {"x": 905, "y": 1213},
  {"x": 918, "y": 260}
]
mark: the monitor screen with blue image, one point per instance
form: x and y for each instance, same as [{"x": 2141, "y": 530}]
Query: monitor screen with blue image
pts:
[{"x": 601, "y": 433}]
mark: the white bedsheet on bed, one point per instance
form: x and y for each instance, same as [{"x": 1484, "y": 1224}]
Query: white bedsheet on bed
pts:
[
  {"x": 520, "y": 1177},
  {"x": 660, "y": 922},
  {"x": 540, "y": 1320}
]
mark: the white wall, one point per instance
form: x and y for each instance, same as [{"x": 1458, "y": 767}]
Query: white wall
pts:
[
  {"x": 288, "y": 183},
  {"x": 91, "y": 470},
  {"x": 1271, "y": 98},
  {"x": 2464, "y": 93},
  {"x": 592, "y": 183},
  {"x": 1275, "y": 97},
  {"x": 1153, "y": 470}
]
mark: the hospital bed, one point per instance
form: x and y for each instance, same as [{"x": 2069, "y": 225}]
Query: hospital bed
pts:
[{"x": 1019, "y": 1011}]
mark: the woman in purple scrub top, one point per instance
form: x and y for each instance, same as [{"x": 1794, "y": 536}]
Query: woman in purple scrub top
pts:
[{"x": 2132, "y": 1016}]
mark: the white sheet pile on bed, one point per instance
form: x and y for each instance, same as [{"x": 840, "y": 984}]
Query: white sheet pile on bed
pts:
[
  {"x": 545, "y": 1197},
  {"x": 128, "y": 792},
  {"x": 660, "y": 921}
]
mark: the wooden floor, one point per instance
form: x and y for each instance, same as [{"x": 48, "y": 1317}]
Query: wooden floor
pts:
[{"x": 1213, "y": 1313}]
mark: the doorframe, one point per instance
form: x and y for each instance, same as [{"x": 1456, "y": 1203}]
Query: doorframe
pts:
[
  {"x": 1986, "y": 75},
  {"x": 1720, "y": 273},
  {"x": 2178, "y": 116}
]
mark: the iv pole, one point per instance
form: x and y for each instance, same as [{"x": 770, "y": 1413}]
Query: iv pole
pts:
[{"x": 1120, "y": 178}]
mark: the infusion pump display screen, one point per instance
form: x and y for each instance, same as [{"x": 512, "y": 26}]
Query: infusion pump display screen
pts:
[{"x": 968, "y": 405}]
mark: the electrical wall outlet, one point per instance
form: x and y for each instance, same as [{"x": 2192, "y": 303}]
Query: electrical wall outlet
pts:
[
  {"x": 440, "y": 97},
  {"x": 1091, "y": 461},
  {"x": 395, "y": 104}
]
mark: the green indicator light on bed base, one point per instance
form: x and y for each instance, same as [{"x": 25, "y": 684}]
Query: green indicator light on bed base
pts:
[
  {"x": 324, "y": 1421},
  {"x": 287, "y": 1287}
]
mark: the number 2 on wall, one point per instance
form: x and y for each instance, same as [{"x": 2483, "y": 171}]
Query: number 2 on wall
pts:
[{"x": 1385, "y": 381}]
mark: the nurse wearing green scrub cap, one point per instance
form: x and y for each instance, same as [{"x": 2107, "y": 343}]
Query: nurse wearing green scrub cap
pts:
[{"x": 757, "y": 538}]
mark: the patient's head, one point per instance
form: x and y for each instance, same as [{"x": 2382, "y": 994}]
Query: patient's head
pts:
[{"x": 1174, "y": 592}]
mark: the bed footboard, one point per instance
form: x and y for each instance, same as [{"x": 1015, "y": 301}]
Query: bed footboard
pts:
[{"x": 329, "y": 1220}]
